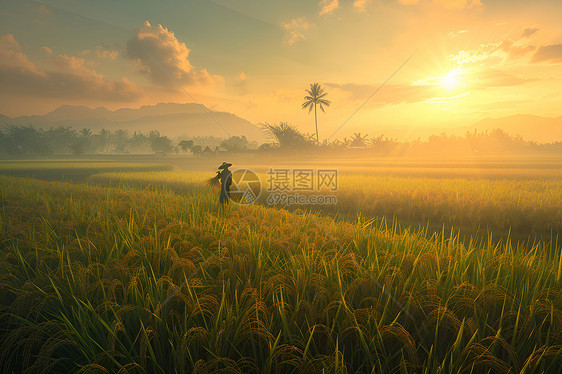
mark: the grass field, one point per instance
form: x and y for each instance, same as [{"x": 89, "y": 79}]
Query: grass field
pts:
[
  {"x": 145, "y": 272},
  {"x": 76, "y": 170},
  {"x": 525, "y": 208}
]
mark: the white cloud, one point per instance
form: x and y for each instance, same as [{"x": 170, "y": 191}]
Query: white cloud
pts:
[
  {"x": 449, "y": 4},
  {"x": 47, "y": 50},
  {"x": 159, "y": 54},
  {"x": 328, "y": 6},
  {"x": 459, "y": 4},
  {"x": 103, "y": 52},
  {"x": 44, "y": 10},
  {"x": 240, "y": 79},
  {"x": 360, "y": 5},
  {"x": 295, "y": 30},
  {"x": 493, "y": 53},
  {"x": 12, "y": 55},
  {"x": 71, "y": 78}
]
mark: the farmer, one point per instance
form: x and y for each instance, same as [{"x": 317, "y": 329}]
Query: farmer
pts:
[{"x": 225, "y": 178}]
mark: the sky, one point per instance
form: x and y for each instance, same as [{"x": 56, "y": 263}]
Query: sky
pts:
[{"x": 385, "y": 64}]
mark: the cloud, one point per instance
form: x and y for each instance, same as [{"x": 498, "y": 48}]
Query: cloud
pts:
[
  {"x": 509, "y": 49},
  {"x": 454, "y": 34},
  {"x": 480, "y": 78},
  {"x": 430, "y": 88},
  {"x": 47, "y": 50},
  {"x": 240, "y": 80},
  {"x": 357, "y": 91},
  {"x": 515, "y": 50},
  {"x": 159, "y": 54},
  {"x": 328, "y": 6},
  {"x": 390, "y": 94},
  {"x": 75, "y": 65},
  {"x": 459, "y": 4},
  {"x": 476, "y": 55},
  {"x": 449, "y": 4},
  {"x": 360, "y": 5},
  {"x": 548, "y": 53},
  {"x": 103, "y": 52},
  {"x": 71, "y": 79},
  {"x": 295, "y": 30},
  {"x": 45, "y": 11},
  {"x": 528, "y": 32},
  {"x": 12, "y": 55},
  {"x": 491, "y": 78},
  {"x": 493, "y": 52}
]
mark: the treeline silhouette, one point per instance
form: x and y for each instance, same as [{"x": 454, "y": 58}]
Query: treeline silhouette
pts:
[
  {"x": 284, "y": 138},
  {"x": 28, "y": 140}
]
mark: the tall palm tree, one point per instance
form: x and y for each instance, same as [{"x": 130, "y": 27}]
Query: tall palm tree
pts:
[{"x": 315, "y": 97}]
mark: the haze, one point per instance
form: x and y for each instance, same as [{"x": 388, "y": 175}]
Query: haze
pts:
[{"x": 469, "y": 59}]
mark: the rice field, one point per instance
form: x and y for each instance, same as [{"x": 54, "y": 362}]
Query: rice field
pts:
[
  {"x": 76, "y": 170},
  {"x": 525, "y": 208},
  {"x": 146, "y": 272}
]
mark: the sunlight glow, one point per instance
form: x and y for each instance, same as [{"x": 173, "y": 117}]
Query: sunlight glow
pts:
[{"x": 451, "y": 80}]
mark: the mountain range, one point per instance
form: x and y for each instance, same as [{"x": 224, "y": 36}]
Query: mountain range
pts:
[
  {"x": 168, "y": 118},
  {"x": 192, "y": 120},
  {"x": 529, "y": 127}
]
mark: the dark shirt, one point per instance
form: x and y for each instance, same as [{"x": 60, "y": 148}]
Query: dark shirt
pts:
[{"x": 226, "y": 178}]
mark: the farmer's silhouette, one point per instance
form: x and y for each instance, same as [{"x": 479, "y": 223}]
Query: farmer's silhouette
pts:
[{"x": 225, "y": 178}]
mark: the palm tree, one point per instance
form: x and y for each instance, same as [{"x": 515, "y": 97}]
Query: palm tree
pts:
[
  {"x": 358, "y": 140},
  {"x": 315, "y": 97},
  {"x": 103, "y": 139}
]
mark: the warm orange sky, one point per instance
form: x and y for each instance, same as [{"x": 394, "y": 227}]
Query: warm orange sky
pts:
[{"x": 471, "y": 59}]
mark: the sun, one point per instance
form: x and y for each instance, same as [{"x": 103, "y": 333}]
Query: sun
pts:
[{"x": 451, "y": 80}]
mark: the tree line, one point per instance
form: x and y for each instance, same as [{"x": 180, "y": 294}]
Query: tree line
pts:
[
  {"x": 28, "y": 140},
  {"x": 283, "y": 138},
  {"x": 31, "y": 141}
]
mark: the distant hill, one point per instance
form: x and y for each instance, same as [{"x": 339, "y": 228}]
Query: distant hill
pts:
[
  {"x": 168, "y": 118},
  {"x": 192, "y": 120},
  {"x": 529, "y": 127},
  {"x": 4, "y": 119}
]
